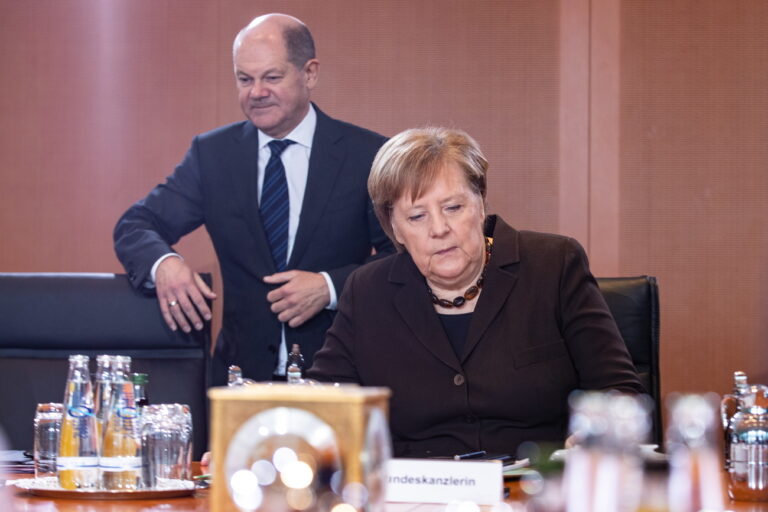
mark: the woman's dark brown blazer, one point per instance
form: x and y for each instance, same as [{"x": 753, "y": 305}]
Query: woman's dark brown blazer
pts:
[{"x": 540, "y": 330}]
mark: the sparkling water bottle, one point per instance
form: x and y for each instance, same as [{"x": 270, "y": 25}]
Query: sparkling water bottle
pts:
[
  {"x": 120, "y": 460},
  {"x": 603, "y": 472},
  {"x": 234, "y": 376},
  {"x": 77, "y": 463},
  {"x": 729, "y": 406},
  {"x": 748, "y": 471},
  {"x": 102, "y": 381},
  {"x": 695, "y": 480},
  {"x": 294, "y": 368}
]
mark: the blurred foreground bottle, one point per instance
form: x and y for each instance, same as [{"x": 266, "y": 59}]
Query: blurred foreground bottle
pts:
[
  {"x": 294, "y": 367},
  {"x": 603, "y": 472},
  {"x": 695, "y": 481},
  {"x": 77, "y": 462},
  {"x": 121, "y": 450},
  {"x": 729, "y": 406},
  {"x": 748, "y": 470},
  {"x": 234, "y": 376}
]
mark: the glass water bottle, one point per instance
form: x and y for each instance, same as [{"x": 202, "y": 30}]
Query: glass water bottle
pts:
[
  {"x": 234, "y": 376},
  {"x": 294, "y": 368},
  {"x": 729, "y": 406},
  {"x": 695, "y": 479},
  {"x": 748, "y": 471},
  {"x": 121, "y": 448},
  {"x": 102, "y": 382},
  {"x": 78, "y": 459}
]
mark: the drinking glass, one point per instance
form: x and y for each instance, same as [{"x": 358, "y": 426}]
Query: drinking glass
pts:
[
  {"x": 46, "y": 443},
  {"x": 166, "y": 435}
]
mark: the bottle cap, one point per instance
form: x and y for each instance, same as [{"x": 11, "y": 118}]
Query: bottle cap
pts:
[{"x": 79, "y": 358}]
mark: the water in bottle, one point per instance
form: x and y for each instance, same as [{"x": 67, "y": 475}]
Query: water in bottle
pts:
[
  {"x": 748, "y": 470},
  {"x": 294, "y": 368},
  {"x": 234, "y": 376},
  {"x": 603, "y": 472},
  {"x": 102, "y": 381},
  {"x": 77, "y": 463},
  {"x": 120, "y": 460},
  {"x": 729, "y": 406},
  {"x": 695, "y": 480}
]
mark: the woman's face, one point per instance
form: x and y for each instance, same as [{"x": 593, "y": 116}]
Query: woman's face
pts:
[{"x": 443, "y": 230}]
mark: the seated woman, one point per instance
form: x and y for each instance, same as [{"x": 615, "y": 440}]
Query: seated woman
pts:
[{"x": 480, "y": 330}]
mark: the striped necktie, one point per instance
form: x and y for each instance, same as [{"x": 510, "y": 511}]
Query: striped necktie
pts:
[{"x": 274, "y": 206}]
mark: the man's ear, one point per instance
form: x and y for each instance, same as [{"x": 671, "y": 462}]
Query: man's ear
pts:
[{"x": 311, "y": 72}]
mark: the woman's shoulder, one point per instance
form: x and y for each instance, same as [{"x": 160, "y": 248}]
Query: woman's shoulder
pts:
[
  {"x": 533, "y": 241},
  {"x": 376, "y": 270},
  {"x": 551, "y": 240}
]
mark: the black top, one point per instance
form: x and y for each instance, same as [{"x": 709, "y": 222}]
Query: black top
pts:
[{"x": 456, "y": 327}]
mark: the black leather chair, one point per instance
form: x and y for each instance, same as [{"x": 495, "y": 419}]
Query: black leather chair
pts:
[
  {"x": 46, "y": 317},
  {"x": 634, "y": 303}
]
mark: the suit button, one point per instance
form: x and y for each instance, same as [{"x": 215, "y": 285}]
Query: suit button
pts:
[{"x": 458, "y": 379}]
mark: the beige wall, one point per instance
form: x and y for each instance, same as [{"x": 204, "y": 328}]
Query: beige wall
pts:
[{"x": 637, "y": 126}]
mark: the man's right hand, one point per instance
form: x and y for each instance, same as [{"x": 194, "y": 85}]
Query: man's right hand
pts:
[{"x": 182, "y": 295}]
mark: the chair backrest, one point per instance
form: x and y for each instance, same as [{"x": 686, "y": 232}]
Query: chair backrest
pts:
[
  {"x": 634, "y": 303},
  {"x": 46, "y": 317}
]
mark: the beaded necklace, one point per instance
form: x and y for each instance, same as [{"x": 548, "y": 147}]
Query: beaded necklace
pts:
[{"x": 472, "y": 291}]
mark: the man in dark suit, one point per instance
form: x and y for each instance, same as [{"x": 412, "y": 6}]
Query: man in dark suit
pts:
[{"x": 283, "y": 196}]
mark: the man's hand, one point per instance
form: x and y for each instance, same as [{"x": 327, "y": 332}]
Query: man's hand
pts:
[
  {"x": 182, "y": 295},
  {"x": 303, "y": 295}
]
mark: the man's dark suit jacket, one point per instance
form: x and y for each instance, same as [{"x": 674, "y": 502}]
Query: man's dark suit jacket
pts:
[
  {"x": 216, "y": 185},
  {"x": 540, "y": 330}
]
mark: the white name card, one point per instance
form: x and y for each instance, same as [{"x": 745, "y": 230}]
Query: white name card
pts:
[{"x": 444, "y": 481}]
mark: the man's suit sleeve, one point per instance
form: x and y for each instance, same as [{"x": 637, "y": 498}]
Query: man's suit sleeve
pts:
[
  {"x": 152, "y": 225},
  {"x": 379, "y": 241},
  {"x": 334, "y": 362}
]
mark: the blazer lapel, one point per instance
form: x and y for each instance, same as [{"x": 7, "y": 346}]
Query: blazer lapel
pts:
[
  {"x": 242, "y": 165},
  {"x": 415, "y": 308},
  {"x": 499, "y": 283},
  {"x": 325, "y": 162}
]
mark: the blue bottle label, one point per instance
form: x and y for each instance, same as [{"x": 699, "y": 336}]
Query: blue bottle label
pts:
[{"x": 79, "y": 411}]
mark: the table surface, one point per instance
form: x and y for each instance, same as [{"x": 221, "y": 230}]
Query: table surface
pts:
[{"x": 15, "y": 501}]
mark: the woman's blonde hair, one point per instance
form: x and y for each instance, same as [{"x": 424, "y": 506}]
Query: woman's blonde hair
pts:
[{"x": 411, "y": 161}]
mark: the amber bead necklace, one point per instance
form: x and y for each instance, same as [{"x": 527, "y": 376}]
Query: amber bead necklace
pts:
[{"x": 472, "y": 291}]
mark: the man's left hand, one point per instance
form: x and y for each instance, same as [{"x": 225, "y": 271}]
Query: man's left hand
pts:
[{"x": 302, "y": 296}]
